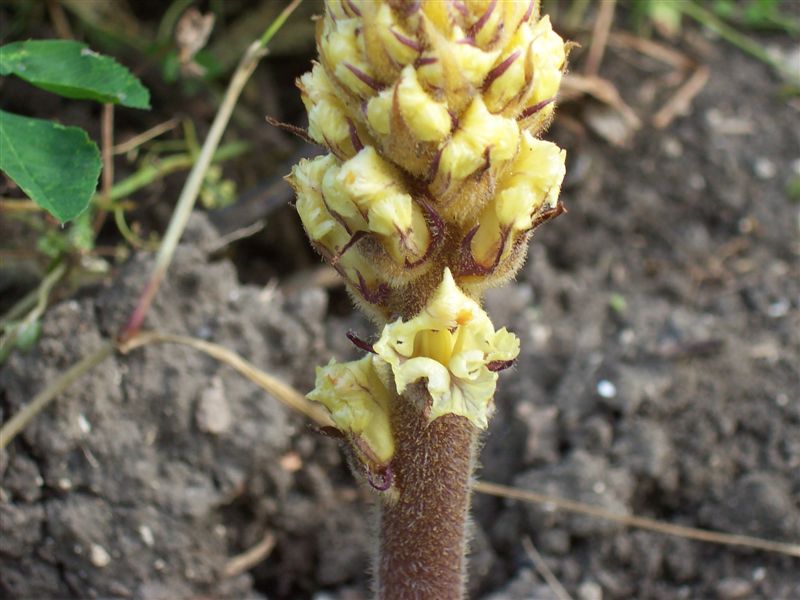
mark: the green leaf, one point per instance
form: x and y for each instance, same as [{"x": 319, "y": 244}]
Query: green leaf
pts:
[
  {"x": 71, "y": 69},
  {"x": 56, "y": 166}
]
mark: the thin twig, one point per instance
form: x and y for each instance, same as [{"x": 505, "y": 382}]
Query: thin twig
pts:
[
  {"x": 191, "y": 189},
  {"x": 732, "y": 36},
  {"x": 146, "y": 136},
  {"x": 234, "y": 236},
  {"x": 42, "y": 294},
  {"x": 602, "y": 26},
  {"x": 160, "y": 169},
  {"x": 19, "y": 205},
  {"x": 250, "y": 557},
  {"x": 682, "y": 98},
  {"x": 20, "y": 420},
  {"x": 725, "y": 539},
  {"x": 545, "y": 571},
  {"x": 282, "y": 392},
  {"x": 660, "y": 52},
  {"x": 107, "y": 146},
  {"x": 59, "y": 19}
]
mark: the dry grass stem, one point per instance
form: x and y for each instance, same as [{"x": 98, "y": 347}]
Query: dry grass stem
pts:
[
  {"x": 152, "y": 133},
  {"x": 545, "y": 571},
  {"x": 250, "y": 557},
  {"x": 725, "y": 539},
  {"x": 682, "y": 98},
  {"x": 602, "y": 27},
  {"x": 282, "y": 392}
]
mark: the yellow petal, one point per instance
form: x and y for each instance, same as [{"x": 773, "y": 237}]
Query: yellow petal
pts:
[
  {"x": 358, "y": 403},
  {"x": 480, "y": 133},
  {"x": 449, "y": 344},
  {"x": 428, "y": 120}
]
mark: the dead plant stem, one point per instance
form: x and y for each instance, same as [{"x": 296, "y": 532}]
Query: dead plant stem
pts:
[
  {"x": 20, "y": 420},
  {"x": 191, "y": 189}
]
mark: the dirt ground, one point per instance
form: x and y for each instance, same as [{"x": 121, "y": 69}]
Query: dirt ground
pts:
[{"x": 659, "y": 376}]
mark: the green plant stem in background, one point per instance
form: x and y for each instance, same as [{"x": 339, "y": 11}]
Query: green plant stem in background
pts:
[
  {"x": 160, "y": 169},
  {"x": 39, "y": 296},
  {"x": 732, "y": 36},
  {"x": 191, "y": 189}
]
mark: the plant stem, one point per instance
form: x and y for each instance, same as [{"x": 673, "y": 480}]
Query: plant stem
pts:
[
  {"x": 20, "y": 420},
  {"x": 423, "y": 525},
  {"x": 732, "y": 36},
  {"x": 183, "y": 209}
]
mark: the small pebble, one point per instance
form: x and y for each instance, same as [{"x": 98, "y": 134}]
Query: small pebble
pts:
[
  {"x": 672, "y": 147},
  {"x": 764, "y": 168},
  {"x": 159, "y": 564},
  {"x": 99, "y": 556},
  {"x": 733, "y": 588},
  {"x": 147, "y": 535},
  {"x": 697, "y": 182},
  {"x": 759, "y": 573},
  {"x": 213, "y": 413},
  {"x": 779, "y": 308},
  {"x": 590, "y": 590},
  {"x": 83, "y": 424},
  {"x": 64, "y": 484},
  {"x": 606, "y": 389}
]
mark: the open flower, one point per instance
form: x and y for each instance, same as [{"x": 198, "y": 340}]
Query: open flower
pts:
[
  {"x": 453, "y": 345},
  {"x": 358, "y": 403}
]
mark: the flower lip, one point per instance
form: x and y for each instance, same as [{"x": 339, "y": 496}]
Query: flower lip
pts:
[{"x": 451, "y": 344}]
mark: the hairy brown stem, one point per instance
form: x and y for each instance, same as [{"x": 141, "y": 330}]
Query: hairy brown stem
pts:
[{"x": 423, "y": 524}]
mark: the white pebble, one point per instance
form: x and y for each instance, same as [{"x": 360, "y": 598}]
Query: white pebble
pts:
[
  {"x": 765, "y": 168},
  {"x": 147, "y": 535},
  {"x": 99, "y": 556},
  {"x": 83, "y": 424},
  {"x": 606, "y": 389}
]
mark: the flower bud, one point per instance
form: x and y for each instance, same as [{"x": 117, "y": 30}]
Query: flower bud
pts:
[
  {"x": 328, "y": 122},
  {"x": 549, "y": 56},
  {"x": 480, "y": 148},
  {"x": 358, "y": 403},
  {"x": 331, "y": 238},
  {"x": 367, "y": 193}
]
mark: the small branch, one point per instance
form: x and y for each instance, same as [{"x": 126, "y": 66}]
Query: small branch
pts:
[
  {"x": 107, "y": 146},
  {"x": 250, "y": 557},
  {"x": 681, "y": 100},
  {"x": 602, "y": 25},
  {"x": 544, "y": 570},
  {"x": 20, "y": 420},
  {"x": 19, "y": 205},
  {"x": 150, "y": 173},
  {"x": 282, "y": 392},
  {"x": 146, "y": 136},
  {"x": 39, "y": 296},
  {"x": 731, "y": 35},
  {"x": 725, "y": 539},
  {"x": 59, "y": 20}
]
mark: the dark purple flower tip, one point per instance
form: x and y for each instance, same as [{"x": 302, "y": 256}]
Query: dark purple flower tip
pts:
[{"x": 359, "y": 343}]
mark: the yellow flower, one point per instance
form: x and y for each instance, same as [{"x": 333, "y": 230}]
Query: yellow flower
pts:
[
  {"x": 530, "y": 186},
  {"x": 453, "y": 346},
  {"x": 358, "y": 403},
  {"x": 330, "y": 237}
]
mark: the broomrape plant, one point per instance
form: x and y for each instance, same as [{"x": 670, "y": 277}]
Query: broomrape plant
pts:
[{"x": 434, "y": 181}]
